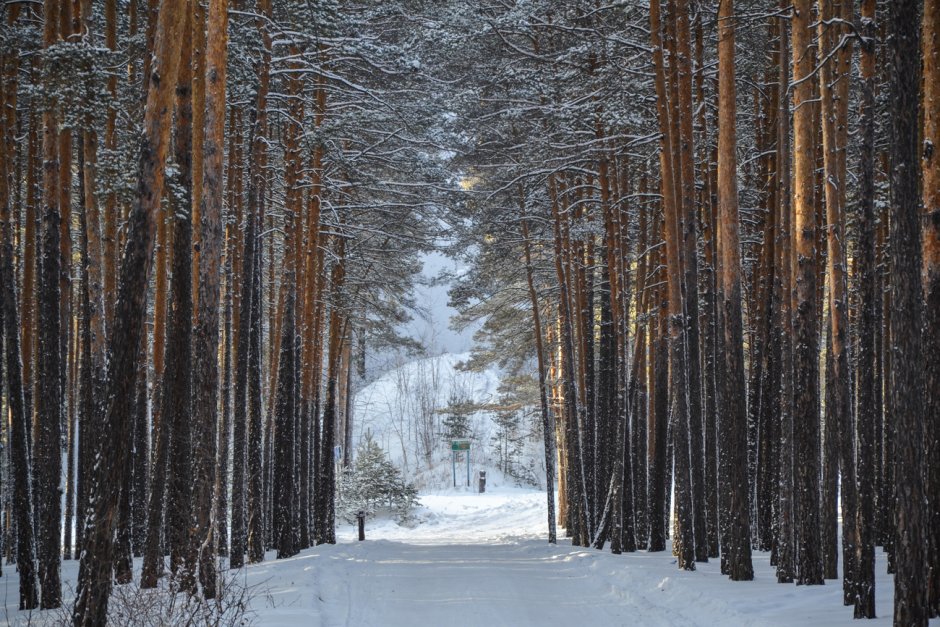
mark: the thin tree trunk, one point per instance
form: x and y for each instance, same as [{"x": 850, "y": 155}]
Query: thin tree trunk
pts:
[
  {"x": 326, "y": 475},
  {"x": 867, "y": 258},
  {"x": 786, "y": 549},
  {"x": 548, "y": 419},
  {"x": 285, "y": 410}
]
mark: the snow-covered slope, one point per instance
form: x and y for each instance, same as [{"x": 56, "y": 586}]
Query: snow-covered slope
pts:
[{"x": 402, "y": 411}]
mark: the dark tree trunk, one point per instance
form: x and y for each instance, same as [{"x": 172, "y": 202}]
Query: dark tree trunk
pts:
[
  {"x": 47, "y": 460},
  {"x": 910, "y": 581},
  {"x": 326, "y": 505},
  {"x": 866, "y": 256},
  {"x": 225, "y": 419},
  {"x": 577, "y": 508},
  {"x": 548, "y": 419},
  {"x": 177, "y": 404},
  {"x": 138, "y": 522},
  {"x": 22, "y": 498},
  {"x": 240, "y": 417},
  {"x": 786, "y": 553},
  {"x": 659, "y": 428},
  {"x": 689, "y": 235},
  {"x": 206, "y": 331},
  {"x": 255, "y": 414},
  {"x": 284, "y": 449},
  {"x": 931, "y": 192},
  {"x": 94, "y": 579},
  {"x": 168, "y": 508}
]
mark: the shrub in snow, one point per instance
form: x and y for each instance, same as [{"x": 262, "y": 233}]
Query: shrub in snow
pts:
[
  {"x": 374, "y": 485},
  {"x": 164, "y": 605}
]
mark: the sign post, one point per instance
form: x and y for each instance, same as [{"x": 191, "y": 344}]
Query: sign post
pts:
[{"x": 456, "y": 447}]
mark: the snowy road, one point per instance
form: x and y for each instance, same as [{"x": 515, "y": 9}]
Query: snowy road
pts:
[
  {"x": 391, "y": 583},
  {"x": 480, "y": 560}
]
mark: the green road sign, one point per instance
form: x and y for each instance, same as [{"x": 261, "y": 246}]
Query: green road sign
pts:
[{"x": 460, "y": 445}]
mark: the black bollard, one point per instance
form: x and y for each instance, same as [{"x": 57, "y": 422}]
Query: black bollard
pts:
[
  {"x": 482, "y": 481},
  {"x": 361, "y": 517}
]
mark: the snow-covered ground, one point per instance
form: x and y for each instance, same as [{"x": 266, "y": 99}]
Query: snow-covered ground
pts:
[{"x": 481, "y": 559}]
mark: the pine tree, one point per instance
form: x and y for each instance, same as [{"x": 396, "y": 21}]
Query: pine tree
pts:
[{"x": 456, "y": 422}]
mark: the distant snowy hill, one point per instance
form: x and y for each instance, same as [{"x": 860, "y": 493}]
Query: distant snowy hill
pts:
[{"x": 404, "y": 411}]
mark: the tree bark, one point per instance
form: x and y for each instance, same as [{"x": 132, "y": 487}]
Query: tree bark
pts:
[
  {"x": 733, "y": 416},
  {"x": 94, "y": 581},
  {"x": 865, "y": 268},
  {"x": 22, "y": 497},
  {"x": 805, "y": 325},
  {"x": 910, "y": 581},
  {"x": 206, "y": 331},
  {"x": 931, "y": 244},
  {"x": 548, "y": 419}
]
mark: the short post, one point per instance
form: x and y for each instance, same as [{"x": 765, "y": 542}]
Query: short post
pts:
[
  {"x": 361, "y": 518},
  {"x": 482, "y": 481}
]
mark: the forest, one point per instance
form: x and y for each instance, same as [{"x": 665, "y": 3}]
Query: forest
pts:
[{"x": 709, "y": 233}]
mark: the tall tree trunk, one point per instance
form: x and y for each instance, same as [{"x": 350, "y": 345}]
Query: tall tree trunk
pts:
[
  {"x": 206, "y": 332},
  {"x": 834, "y": 83},
  {"x": 252, "y": 326},
  {"x": 786, "y": 549},
  {"x": 867, "y": 282},
  {"x": 22, "y": 498},
  {"x": 285, "y": 410},
  {"x": 548, "y": 419},
  {"x": 240, "y": 418},
  {"x": 910, "y": 581},
  {"x": 47, "y": 460},
  {"x": 94, "y": 581},
  {"x": 733, "y": 415},
  {"x": 678, "y": 338},
  {"x": 255, "y": 433},
  {"x": 576, "y": 489},
  {"x": 931, "y": 190},
  {"x": 688, "y": 231},
  {"x": 806, "y": 335},
  {"x": 170, "y": 490},
  {"x": 326, "y": 507}
]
